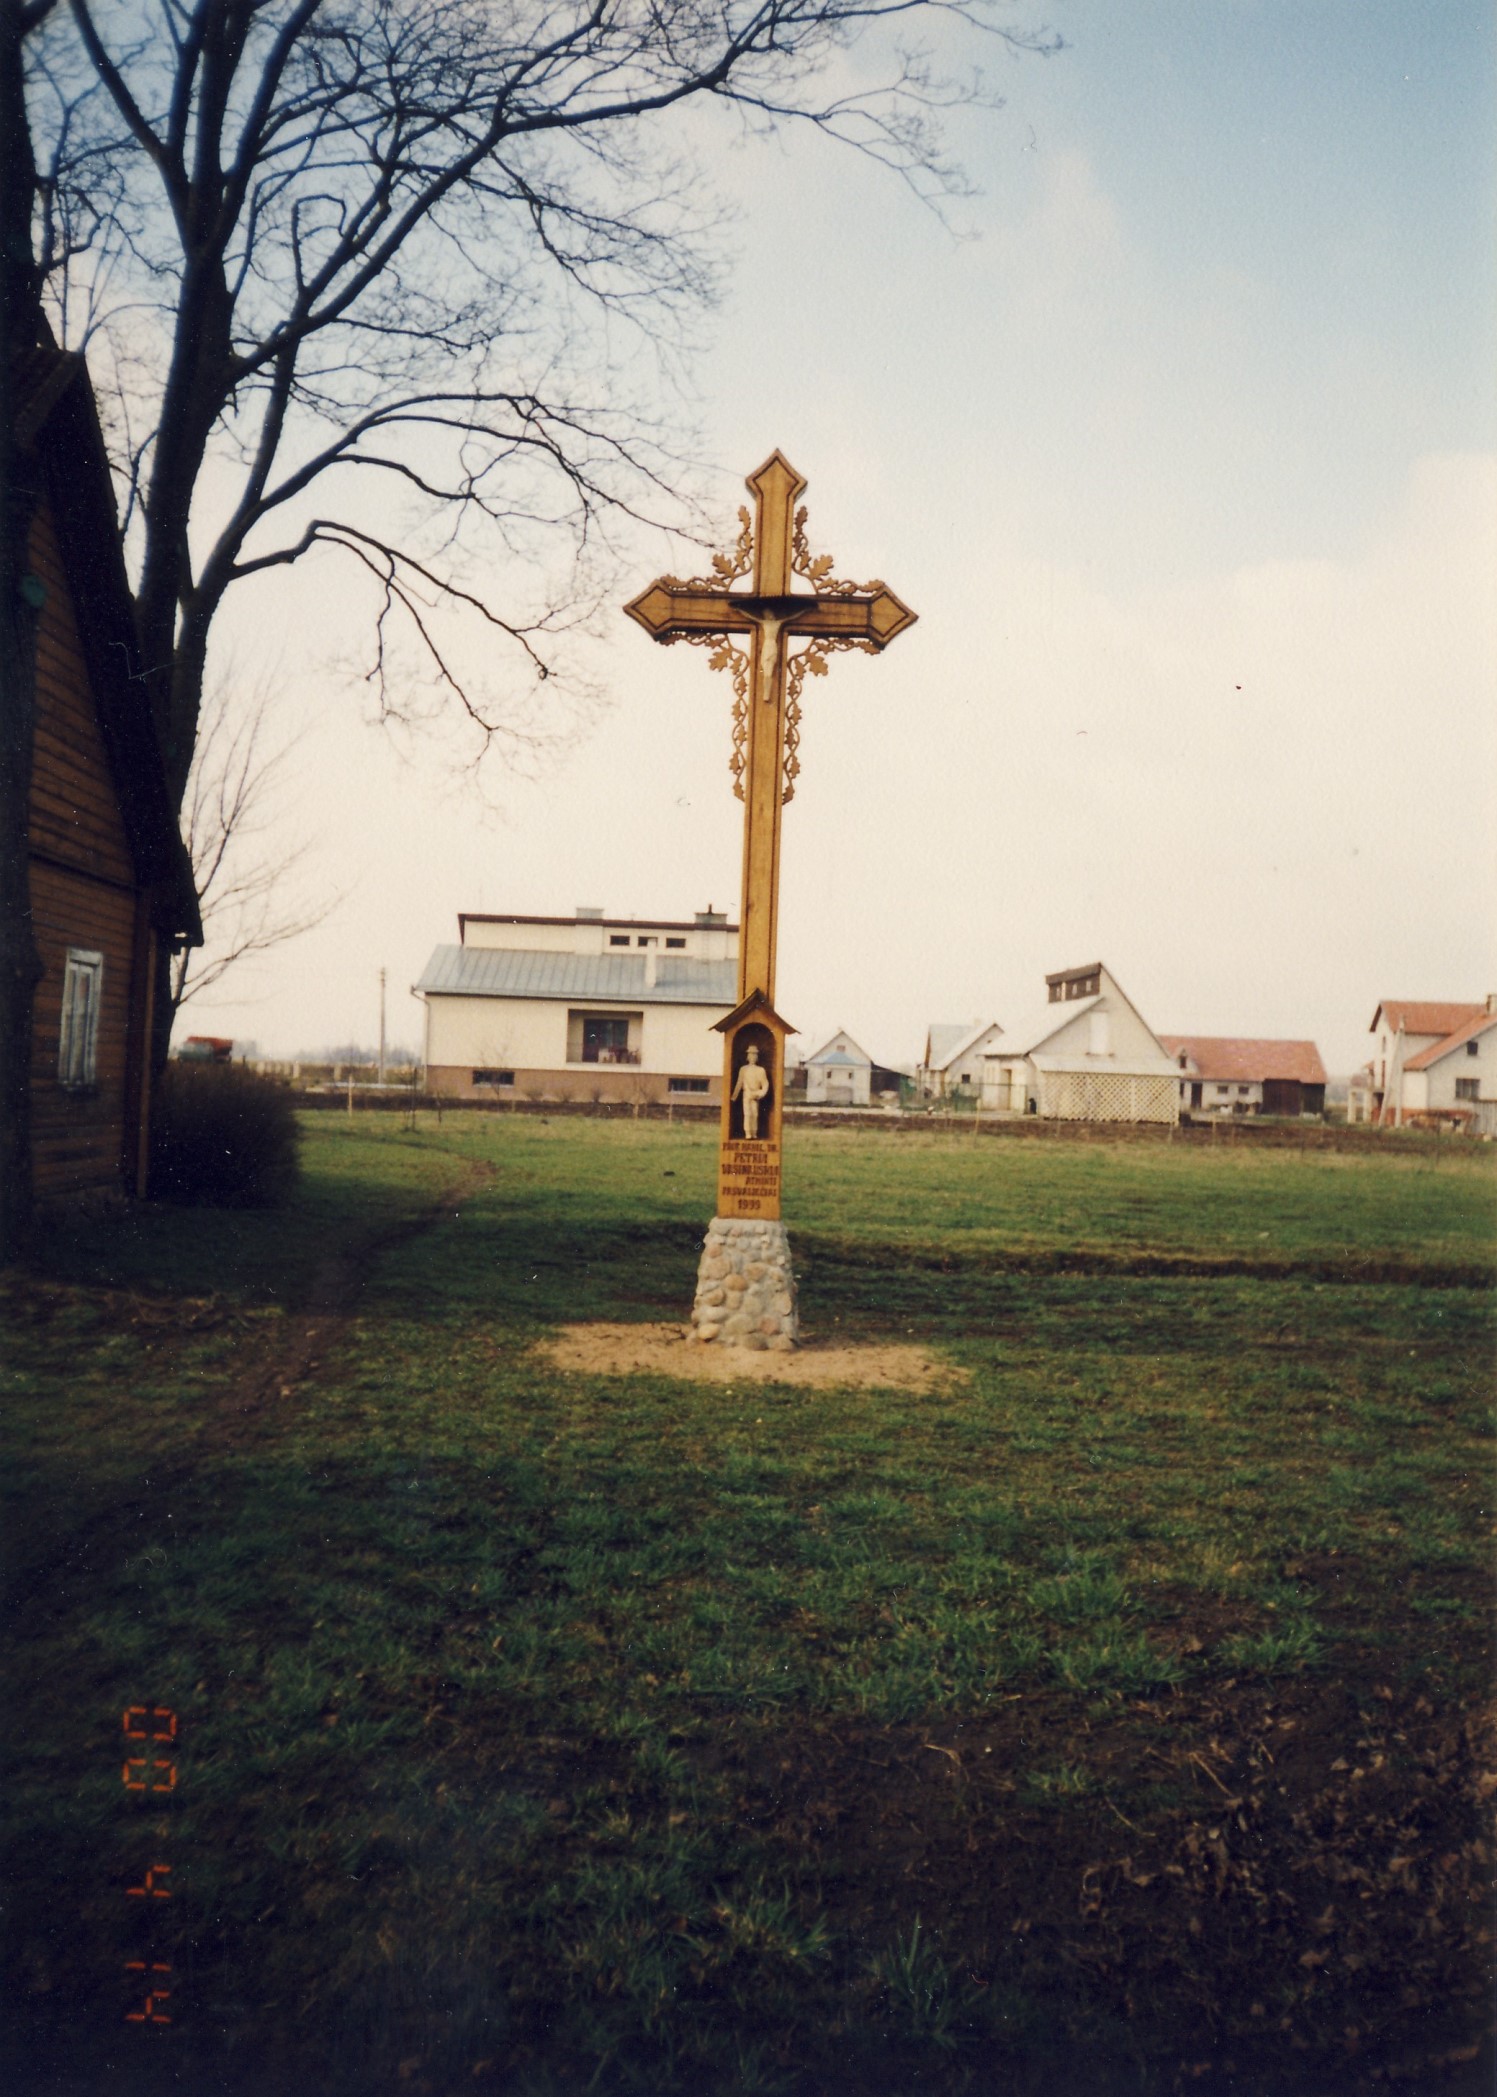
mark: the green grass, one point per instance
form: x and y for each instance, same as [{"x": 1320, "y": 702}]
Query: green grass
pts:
[{"x": 544, "y": 1731}]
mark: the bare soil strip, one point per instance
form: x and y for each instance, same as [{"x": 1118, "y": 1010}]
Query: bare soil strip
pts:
[{"x": 664, "y": 1350}]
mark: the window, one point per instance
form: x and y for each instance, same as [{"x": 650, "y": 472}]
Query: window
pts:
[
  {"x": 1472, "y": 1047},
  {"x": 1468, "y": 1088},
  {"x": 675, "y": 942},
  {"x": 687, "y": 1084},
  {"x": 618, "y": 939},
  {"x": 648, "y": 939},
  {"x": 1222, "y": 1091},
  {"x": 1243, "y": 1091},
  {"x": 493, "y": 1077},
  {"x": 603, "y": 1037},
  {"x": 78, "y": 1040}
]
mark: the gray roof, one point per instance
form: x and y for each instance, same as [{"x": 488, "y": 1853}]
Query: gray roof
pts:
[
  {"x": 610, "y": 979},
  {"x": 1045, "y": 1023},
  {"x": 942, "y": 1038}
]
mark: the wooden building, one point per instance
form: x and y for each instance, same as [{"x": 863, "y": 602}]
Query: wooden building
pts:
[{"x": 111, "y": 885}]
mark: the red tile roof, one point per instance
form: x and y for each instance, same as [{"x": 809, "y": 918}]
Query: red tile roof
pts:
[
  {"x": 1229, "y": 1057},
  {"x": 1453, "y": 1040},
  {"x": 1419, "y": 1017}
]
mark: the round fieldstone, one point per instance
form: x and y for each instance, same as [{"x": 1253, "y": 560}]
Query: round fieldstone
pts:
[{"x": 745, "y": 1286}]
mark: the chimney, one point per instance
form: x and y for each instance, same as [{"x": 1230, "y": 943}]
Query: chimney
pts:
[
  {"x": 591, "y": 912},
  {"x": 709, "y": 916},
  {"x": 1492, "y": 1001}
]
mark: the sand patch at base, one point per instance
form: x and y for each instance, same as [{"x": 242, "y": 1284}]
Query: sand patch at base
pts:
[{"x": 664, "y": 1350}]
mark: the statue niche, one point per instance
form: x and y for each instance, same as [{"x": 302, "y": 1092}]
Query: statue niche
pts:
[{"x": 753, "y": 1084}]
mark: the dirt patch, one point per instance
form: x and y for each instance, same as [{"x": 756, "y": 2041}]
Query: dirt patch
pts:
[{"x": 664, "y": 1350}]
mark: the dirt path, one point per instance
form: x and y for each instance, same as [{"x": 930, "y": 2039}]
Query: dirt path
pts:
[{"x": 271, "y": 1375}]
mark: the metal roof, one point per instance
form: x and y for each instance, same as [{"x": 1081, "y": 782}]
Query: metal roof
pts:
[
  {"x": 943, "y": 1039},
  {"x": 1044, "y": 1025},
  {"x": 608, "y": 979}
]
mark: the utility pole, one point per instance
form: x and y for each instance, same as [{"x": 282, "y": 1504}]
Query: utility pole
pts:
[{"x": 382, "y": 1026}]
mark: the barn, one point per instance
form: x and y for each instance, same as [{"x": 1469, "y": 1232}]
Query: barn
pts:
[
  {"x": 1229, "y": 1074},
  {"x": 110, "y": 882}
]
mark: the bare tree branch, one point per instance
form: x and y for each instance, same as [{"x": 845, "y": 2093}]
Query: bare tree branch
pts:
[{"x": 234, "y": 804}]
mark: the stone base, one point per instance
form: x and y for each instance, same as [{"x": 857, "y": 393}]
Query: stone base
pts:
[{"x": 745, "y": 1286}]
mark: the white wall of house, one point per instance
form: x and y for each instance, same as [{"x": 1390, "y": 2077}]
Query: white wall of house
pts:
[
  {"x": 602, "y": 936},
  {"x": 489, "y": 1033},
  {"x": 485, "y": 1033},
  {"x": 1221, "y": 1095},
  {"x": 839, "y": 1084},
  {"x": 1097, "y": 1038},
  {"x": 1436, "y": 1087}
]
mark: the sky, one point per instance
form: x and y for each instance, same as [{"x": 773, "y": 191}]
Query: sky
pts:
[{"x": 1182, "y": 448}]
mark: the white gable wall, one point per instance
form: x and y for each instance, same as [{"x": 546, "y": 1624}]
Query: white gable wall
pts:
[{"x": 530, "y": 1034}]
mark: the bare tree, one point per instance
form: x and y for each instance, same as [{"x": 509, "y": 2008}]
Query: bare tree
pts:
[
  {"x": 321, "y": 247},
  {"x": 246, "y": 882},
  {"x": 394, "y": 240}
]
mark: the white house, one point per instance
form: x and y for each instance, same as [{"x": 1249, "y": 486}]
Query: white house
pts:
[
  {"x": 585, "y": 1007},
  {"x": 955, "y": 1054},
  {"x": 1428, "y": 1057},
  {"x": 1089, "y": 1056},
  {"x": 840, "y": 1074}
]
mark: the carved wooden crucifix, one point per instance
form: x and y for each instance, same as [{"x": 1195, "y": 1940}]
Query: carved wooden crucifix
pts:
[{"x": 769, "y": 615}]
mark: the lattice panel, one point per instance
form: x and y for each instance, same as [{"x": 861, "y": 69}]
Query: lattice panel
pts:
[{"x": 1107, "y": 1095}]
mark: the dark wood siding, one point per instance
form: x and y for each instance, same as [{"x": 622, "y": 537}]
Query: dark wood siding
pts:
[
  {"x": 78, "y": 1137},
  {"x": 1282, "y": 1096},
  {"x": 83, "y": 894},
  {"x": 75, "y": 812}
]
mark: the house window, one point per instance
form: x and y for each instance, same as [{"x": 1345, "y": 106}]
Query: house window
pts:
[
  {"x": 675, "y": 942},
  {"x": 1472, "y": 1047},
  {"x": 493, "y": 1077},
  {"x": 648, "y": 939},
  {"x": 602, "y": 1037},
  {"x": 618, "y": 939},
  {"x": 687, "y": 1084},
  {"x": 1243, "y": 1091},
  {"x": 1222, "y": 1091},
  {"x": 78, "y": 1040},
  {"x": 1468, "y": 1088}
]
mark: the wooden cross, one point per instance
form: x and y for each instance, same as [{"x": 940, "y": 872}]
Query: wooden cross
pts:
[{"x": 769, "y": 614}]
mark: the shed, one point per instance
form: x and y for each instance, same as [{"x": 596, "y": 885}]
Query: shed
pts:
[{"x": 1233, "y": 1075}]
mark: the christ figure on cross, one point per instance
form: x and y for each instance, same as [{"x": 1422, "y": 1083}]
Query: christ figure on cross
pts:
[{"x": 791, "y": 597}]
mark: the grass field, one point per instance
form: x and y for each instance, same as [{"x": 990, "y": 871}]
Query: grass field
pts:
[{"x": 1115, "y": 1718}]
